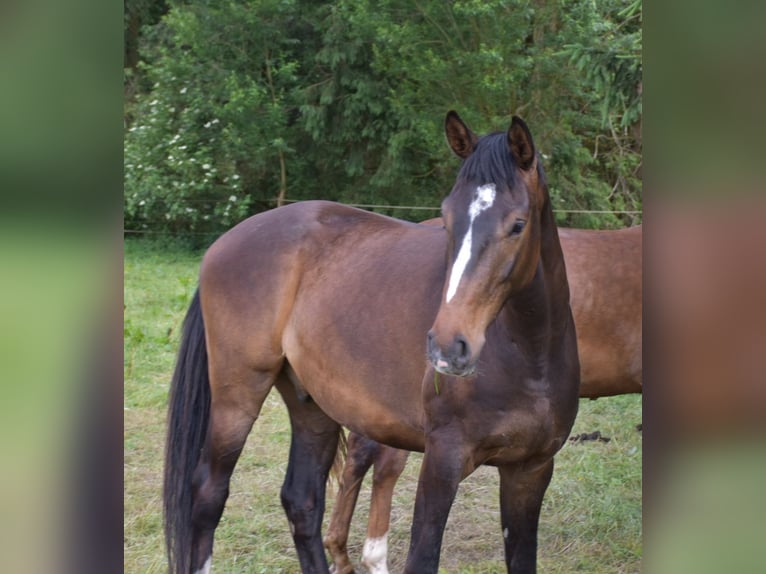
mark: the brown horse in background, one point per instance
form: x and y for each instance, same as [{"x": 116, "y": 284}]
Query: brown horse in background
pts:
[
  {"x": 357, "y": 321},
  {"x": 604, "y": 269}
]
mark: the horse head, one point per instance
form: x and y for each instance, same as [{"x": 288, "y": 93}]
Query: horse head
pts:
[{"x": 492, "y": 218}]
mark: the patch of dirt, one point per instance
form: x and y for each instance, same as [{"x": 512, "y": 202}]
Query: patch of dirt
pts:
[{"x": 587, "y": 436}]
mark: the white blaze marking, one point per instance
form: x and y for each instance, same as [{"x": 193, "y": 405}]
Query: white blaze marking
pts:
[
  {"x": 206, "y": 567},
  {"x": 482, "y": 200},
  {"x": 375, "y": 554}
]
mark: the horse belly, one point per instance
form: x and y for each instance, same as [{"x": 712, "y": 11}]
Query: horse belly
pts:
[
  {"x": 361, "y": 356},
  {"x": 609, "y": 366},
  {"x": 382, "y": 404}
]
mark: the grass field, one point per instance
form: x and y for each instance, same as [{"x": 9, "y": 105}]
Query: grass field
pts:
[{"x": 590, "y": 521}]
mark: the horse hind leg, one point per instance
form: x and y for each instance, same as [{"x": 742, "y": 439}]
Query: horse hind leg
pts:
[
  {"x": 521, "y": 497},
  {"x": 313, "y": 446},
  {"x": 212, "y": 405},
  {"x": 233, "y": 410},
  {"x": 359, "y": 458},
  {"x": 389, "y": 465}
]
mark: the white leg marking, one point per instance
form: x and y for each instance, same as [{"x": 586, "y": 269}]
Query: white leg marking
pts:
[
  {"x": 505, "y": 533},
  {"x": 375, "y": 554},
  {"x": 482, "y": 200},
  {"x": 206, "y": 567}
]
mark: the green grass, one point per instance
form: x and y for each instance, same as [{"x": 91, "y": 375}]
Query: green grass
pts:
[{"x": 590, "y": 521}]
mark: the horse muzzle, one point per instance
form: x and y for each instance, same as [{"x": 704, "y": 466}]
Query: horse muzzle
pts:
[{"x": 455, "y": 359}]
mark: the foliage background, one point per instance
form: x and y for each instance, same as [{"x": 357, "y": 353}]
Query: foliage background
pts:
[{"x": 237, "y": 106}]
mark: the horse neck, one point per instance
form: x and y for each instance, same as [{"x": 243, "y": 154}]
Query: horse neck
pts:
[
  {"x": 538, "y": 313},
  {"x": 552, "y": 263}
]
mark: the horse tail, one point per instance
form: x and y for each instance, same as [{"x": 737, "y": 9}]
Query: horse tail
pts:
[
  {"x": 336, "y": 471},
  {"x": 188, "y": 415}
]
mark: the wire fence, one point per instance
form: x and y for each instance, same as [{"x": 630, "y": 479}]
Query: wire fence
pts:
[
  {"x": 435, "y": 209},
  {"x": 429, "y": 208}
]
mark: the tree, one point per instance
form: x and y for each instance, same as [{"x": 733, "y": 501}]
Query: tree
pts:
[
  {"x": 256, "y": 102},
  {"x": 210, "y": 141}
]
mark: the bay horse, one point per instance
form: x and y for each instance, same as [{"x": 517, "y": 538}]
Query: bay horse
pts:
[
  {"x": 457, "y": 344},
  {"x": 604, "y": 269}
]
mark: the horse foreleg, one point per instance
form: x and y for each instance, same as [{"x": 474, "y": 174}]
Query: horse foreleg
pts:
[
  {"x": 389, "y": 465},
  {"x": 360, "y": 455},
  {"x": 444, "y": 465},
  {"x": 521, "y": 497},
  {"x": 313, "y": 446}
]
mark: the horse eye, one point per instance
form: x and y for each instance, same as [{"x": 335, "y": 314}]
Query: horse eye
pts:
[{"x": 518, "y": 226}]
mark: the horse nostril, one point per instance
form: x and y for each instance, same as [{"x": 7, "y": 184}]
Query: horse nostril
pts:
[
  {"x": 462, "y": 351},
  {"x": 454, "y": 360}
]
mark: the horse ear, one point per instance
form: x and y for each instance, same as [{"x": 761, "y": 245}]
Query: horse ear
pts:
[
  {"x": 461, "y": 139},
  {"x": 520, "y": 143}
]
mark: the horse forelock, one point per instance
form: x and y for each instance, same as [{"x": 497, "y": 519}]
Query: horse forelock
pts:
[{"x": 490, "y": 162}]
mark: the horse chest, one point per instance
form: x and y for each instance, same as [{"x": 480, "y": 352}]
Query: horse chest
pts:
[
  {"x": 504, "y": 423},
  {"x": 515, "y": 434}
]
